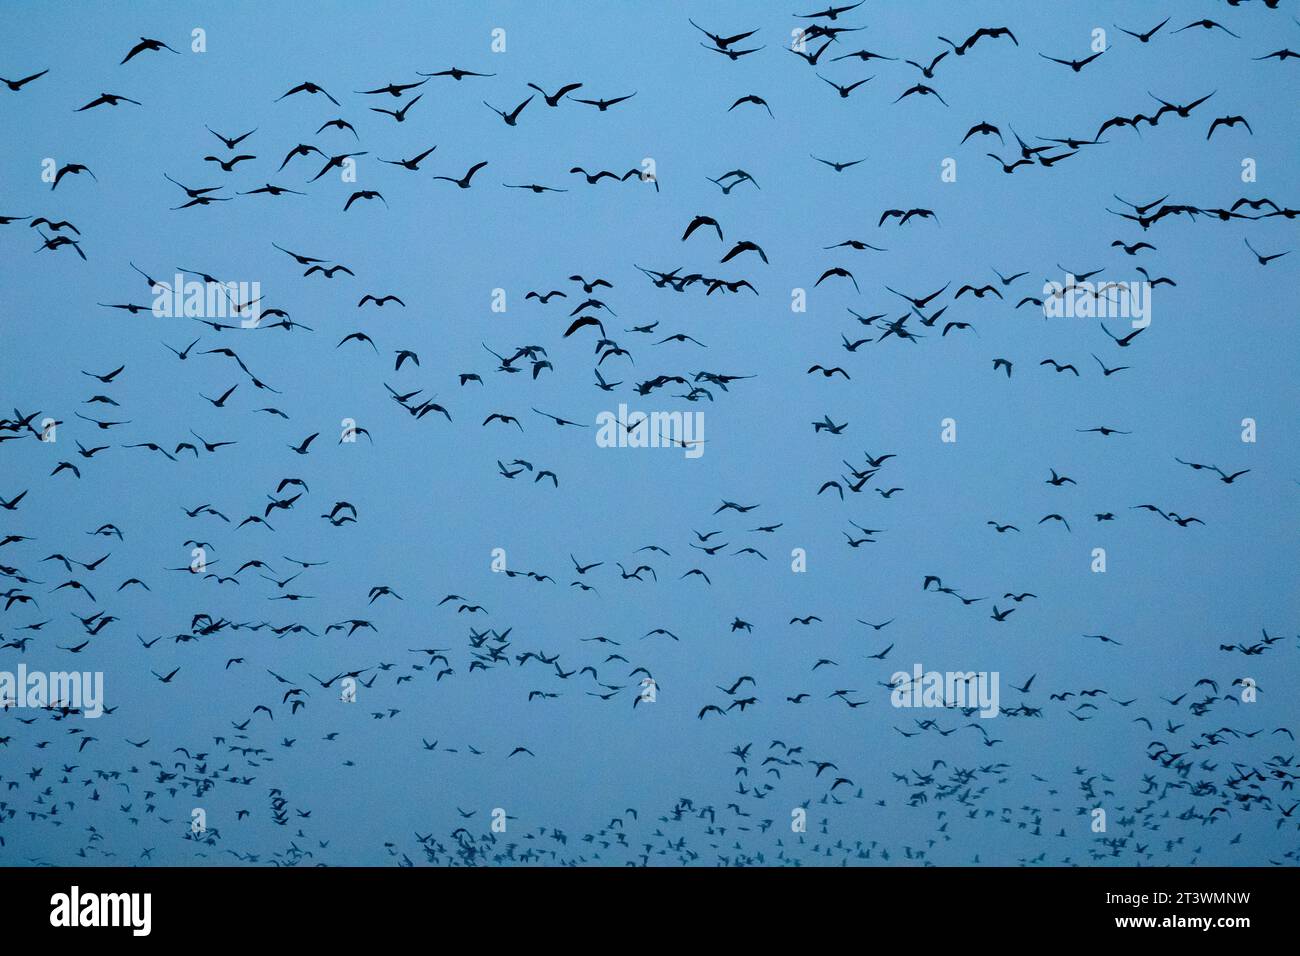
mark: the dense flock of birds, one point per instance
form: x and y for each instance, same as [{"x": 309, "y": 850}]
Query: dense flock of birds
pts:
[{"x": 1211, "y": 767}]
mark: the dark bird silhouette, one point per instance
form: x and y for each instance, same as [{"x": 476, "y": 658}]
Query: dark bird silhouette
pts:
[{"x": 464, "y": 181}]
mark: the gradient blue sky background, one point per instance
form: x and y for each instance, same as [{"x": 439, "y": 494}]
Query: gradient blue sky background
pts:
[{"x": 1221, "y": 347}]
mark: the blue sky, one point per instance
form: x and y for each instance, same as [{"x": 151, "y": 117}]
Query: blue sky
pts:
[{"x": 432, "y": 507}]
